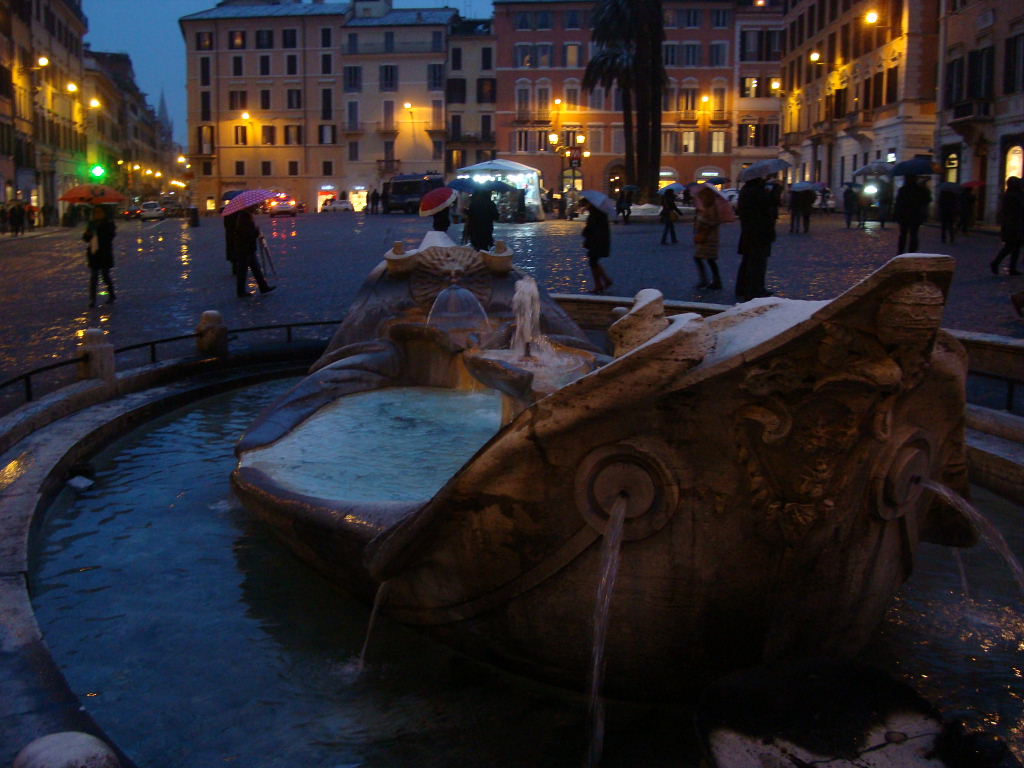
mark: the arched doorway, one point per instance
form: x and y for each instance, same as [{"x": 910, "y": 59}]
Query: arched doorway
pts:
[{"x": 1014, "y": 163}]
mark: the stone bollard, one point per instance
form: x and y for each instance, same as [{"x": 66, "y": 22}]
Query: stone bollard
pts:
[
  {"x": 100, "y": 361},
  {"x": 67, "y": 749},
  {"x": 212, "y": 334}
]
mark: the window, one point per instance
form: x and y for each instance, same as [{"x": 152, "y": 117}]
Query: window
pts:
[
  {"x": 757, "y": 135},
  {"x": 326, "y": 64},
  {"x": 436, "y": 41},
  {"x": 572, "y": 97},
  {"x": 327, "y": 168},
  {"x": 981, "y": 71},
  {"x": 691, "y": 54},
  {"x": 238, "y": 100},
  {"x": 293, "y": 167},
  {"x": 524, "y": 56},
  {"x": 353, "y": 42},
  {"x": 294, "y": 98},
  {"x": 523, "y": 102},
  {"x": 241, "y": 135},
  {"x": 456, "y": 58},
  {"x": 289, "y": 38},
  {"x": 750, "y": 87},
  {"x": 436, "y": 112},
  {"x": 892, "y": 80},
  {"x": 326, "y": 104},
  {"x": 669, "y": 143},
  {"x": 435, "y": 77},
  {"x": 352, "y": 115},
  {"x": 486, "y": 127},
  {"x": 688, "y": 141},
  {"x": 291, "y": 64},
  {"x": 353, "y": 151},
  {"x": 353, "y": 77},
  {"x": 486, "y": 58},
  {"x": 720, "y": 18},
  {"x": 268, "y": 135},
  {"x": 207, "y": 168},
  {"x": 328, "y": 133},
  {"x": 204, "y": 41},
  {"x": 954, "y": 85},
  {"x": 389, "y": 42},
  {"x": 264, "y": 38},
  {"x": 670, "y": 54},
  {"x": 718, "y": 54},
  {"x": 264, "y": 65},
  {"x": 204, "y": 106},
  {"x": 236, "y": 40},
  {"x": 389, "y": 151},
  {"x": 266, "y": 169},
  {"x": 486, "y": 90},
  {"x": 572, "y": 19},
  {"x": 572, "y": 55},
  {"x": 436, "y": 149},
  {"x": 597, "y": 98},
  {"x": 388, "y": 113},
  {"x": 325, "y": 37},
  {"x": 523, "y": 21},
  {"x": 239, "y": 167},
  {"x": 544, "y": 55},
  {"x": 543, "y": 19},
  {"x": 204, "y": 70},
  {"x": 293, "y": 134},
  {"x": 389, "y": 77},
  {"x": 718, "y": 141},
  {"x": 265, "y": 99},
  {"x": 1013, "y": 64},
  {"x": 689, "y": 18},
  {"x": 455, "y": 129},
  {"x": 237, "y": 68},
  {"x": 455, "y": 91},
  {"x": 688, "y": 98},
  {"x": 522, "y": 141}
]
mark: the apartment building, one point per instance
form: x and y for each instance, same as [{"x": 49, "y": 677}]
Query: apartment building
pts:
[
  {"x": 720, "y": 110},
  {"x": 980, "y": 136},
  {"x": 859, "y": 79},
  {"x": 315, "y": 99},
  {"x": 471, "y": 94}
]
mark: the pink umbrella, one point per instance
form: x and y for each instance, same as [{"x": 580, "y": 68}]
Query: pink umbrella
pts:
[{"x": 246, "y": 199}]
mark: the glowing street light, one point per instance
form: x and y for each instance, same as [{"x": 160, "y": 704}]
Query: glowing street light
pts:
[
  {"x": 42, "y": 61},
  {"x": 815, "y": 56},
  {"x": 72, "y": 87},
  {"x": 871, "y": 17},
  {"x": 245, "y": 115},
  {"x": 94, "y": 103},
  {"x": 181, "y": 158}
]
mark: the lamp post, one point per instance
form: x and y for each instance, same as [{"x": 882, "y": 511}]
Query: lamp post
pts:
[{"x": 573, "y": 150}]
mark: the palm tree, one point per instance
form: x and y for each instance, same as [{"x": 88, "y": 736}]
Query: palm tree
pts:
[
  {"x": 613, "y": 65},
  {"x": 629, "y": 34}
]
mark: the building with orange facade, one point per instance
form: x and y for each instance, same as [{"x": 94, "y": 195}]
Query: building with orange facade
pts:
[{"x": 721, "y": 112}]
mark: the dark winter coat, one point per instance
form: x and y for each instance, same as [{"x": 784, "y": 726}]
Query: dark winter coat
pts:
[
  {"x": 246, "y": 235},
  {"x": 911, "y": 205},
  {"x": 757, "y": 220},
  {"x": 482, "y": 215},
  {"x": 101, "y": 251},
  {"x": 597, "y": 234},
  {"x": 1011, "y": 213}
]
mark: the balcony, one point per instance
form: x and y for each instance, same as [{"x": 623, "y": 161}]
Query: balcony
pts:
[
  {"x": 354, "y": 128},
  {"x": 533, "y": 116},
  {"x": 719, "y": 116},
  {"x": 462, "y": 138},
  {"x": 392, "y": 166},
  {"x": 397, "y": 48},
  {"x": 856, "y": 121},
  {"x": 387, "y": 128},
  {"x": 822, "y": 129},
  {"x": 792, "y": 139},
  {"x": 688, "y": 116},
  {"x": 975, "y": 109}
]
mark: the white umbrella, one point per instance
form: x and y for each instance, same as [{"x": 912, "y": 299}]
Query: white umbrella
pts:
[
  {"x": 501, "y": 166},
  {"x": 599, "y": 200},
  {"x": 675, "y": 186},
  {"x": 874, "y": 167},
  {"x": 800, "y": 186},
  {"x": 763, "y": 168}
]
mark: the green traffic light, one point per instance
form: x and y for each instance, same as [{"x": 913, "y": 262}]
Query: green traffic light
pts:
[{"x": 98, "y": 171}]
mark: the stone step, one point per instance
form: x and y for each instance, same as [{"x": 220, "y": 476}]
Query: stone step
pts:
[{"x": 997, "y": 463}]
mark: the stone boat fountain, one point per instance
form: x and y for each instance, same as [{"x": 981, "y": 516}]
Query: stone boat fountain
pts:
[{"x": 768, "y": 460}]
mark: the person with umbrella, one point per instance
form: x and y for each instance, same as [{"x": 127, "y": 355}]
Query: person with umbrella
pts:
[
  {"x": 669, "y": 215},
  {"x": 1011, "y": 225},
  {"x": 851, "y": 202},
  {"x": 438, "y": 203},
  {"x": 16, "y": 219},
  {"x": 597, "y": 238},
  {"x": 910, "y": 212},
  {"x": 481, "y": 215},
  {"x": 246, "y": 240},
  {"x": 757, "y": 233},
  {"x": 101, "y": 256}
]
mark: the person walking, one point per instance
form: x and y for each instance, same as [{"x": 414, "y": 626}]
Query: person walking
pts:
[
  {"x": 482, "y": 215},
  {"x": 624, "y": 205},
  {"x": 1011, "y": 225},
  {"x": 967, "y": 202},
  {"x": 705, "y": 237},
  {"x": 385, "y": 201},
  {"x": 794, "y": 211},
  {"x": 850, "y": 205},
  {"x": 806, "y": 207},
  {"x": 229, "y": 241},
  {"x": 246, "y": 240},
  {"x": 374, "y": 201},
  {"x": 885, "y": 203},
  {"x": 100, "y": 256},
  {"x": 910, "y": 212},
  {"x": 757, "y": 233},
  {"x": 597, "y": 240},
  {"x": 949, "y": 212},
  {"x": 669, "y": 216},
  {"x": 16, "y": 219}
]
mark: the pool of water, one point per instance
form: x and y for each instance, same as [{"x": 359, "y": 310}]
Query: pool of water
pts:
[
  {"x": 420, "y": 436},
  {"x": 194, "y": 639}
]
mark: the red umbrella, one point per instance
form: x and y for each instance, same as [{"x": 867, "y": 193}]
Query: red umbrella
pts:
[
  {"x": 246, "y": 199},
  {"x": 436, "y": 200},
  {"x": 973, "y": 184},
  {"x": 92, "y": 194}
]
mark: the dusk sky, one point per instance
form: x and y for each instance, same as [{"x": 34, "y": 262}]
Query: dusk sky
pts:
[{"x": 148, "y": 31}]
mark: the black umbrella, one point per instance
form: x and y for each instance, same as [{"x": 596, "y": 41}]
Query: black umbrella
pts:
[{"x": 918, "y": 166}]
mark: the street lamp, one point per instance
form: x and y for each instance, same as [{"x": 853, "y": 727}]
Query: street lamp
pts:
[{"x": 573, "y": 150}]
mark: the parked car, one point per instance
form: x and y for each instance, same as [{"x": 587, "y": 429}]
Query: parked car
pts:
[
  {"x": 151, "y": 210},
  {"x": 334, "y": 205},
  {"x": 130, "y": 211},
  {"x": 282, "y": 206}
]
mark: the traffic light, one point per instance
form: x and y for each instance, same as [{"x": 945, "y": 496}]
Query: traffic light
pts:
[{"x": 98, "y": 171}]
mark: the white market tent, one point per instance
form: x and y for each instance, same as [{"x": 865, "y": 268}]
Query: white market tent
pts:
[{"x": 522, "y": 177}]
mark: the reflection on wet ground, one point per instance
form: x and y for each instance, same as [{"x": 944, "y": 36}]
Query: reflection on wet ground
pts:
[
  {"x": 194, "y": 639},
  {"x": 167, "y": 274}
]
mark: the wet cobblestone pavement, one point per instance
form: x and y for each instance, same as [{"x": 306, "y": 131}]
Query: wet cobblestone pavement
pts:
[{"x": 166, "y": 274}]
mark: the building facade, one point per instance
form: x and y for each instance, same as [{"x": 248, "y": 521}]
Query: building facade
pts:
[
  {"x": 317, "y": 100},
  {"x": 471, "y": 94},
  {"x": 980, "y": 136},
  {"x": 859, "y": 79},
  {"x": 720, "y": 112}
]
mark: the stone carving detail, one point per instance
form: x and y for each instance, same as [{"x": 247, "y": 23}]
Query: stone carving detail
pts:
[{"x": 438, "y": 268}]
